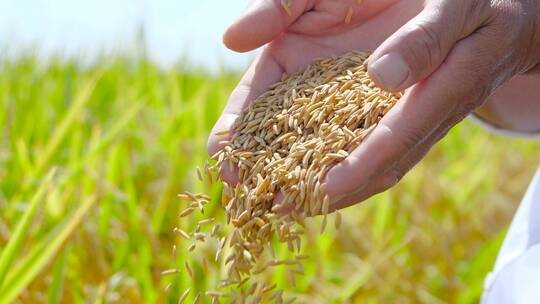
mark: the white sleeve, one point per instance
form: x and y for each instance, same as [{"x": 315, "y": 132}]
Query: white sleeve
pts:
[
  {"x": 518, "y": 282},
  {"x": 501, "y": 131},
  {"x": 516, "y": 275}
]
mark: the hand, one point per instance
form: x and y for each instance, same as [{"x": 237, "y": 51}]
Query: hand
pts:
[
  {"x": 450, "y": 58},
  {"x": 314, "y": 29}
]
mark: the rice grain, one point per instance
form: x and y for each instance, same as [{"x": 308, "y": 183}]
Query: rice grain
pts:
[{"x": 286, "y": 141}]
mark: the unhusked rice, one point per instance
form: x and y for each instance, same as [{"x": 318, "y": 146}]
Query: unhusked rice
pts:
[{"x": 285, "y": 142}]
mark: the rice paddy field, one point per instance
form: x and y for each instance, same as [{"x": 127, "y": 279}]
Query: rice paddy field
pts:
[{"x": 92, "y": 158}]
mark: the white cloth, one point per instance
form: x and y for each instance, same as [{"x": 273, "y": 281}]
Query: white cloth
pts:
[
  {"x": 515, "y": 279},
  {"x": 504, "y": 132}
]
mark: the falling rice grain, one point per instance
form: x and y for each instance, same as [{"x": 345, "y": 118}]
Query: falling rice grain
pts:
[
  {"x": 337, "y": 220},
  {"x": 268, "y": 288},
  {"x": 199, "y": 174},
  {"x": 184, "y": 296},
  {"x": 187, "y": 212},
  {"x": 169, "y": 272},
  {"x": 208, "y": 174},
  {"x": 323, "y": 225},
  {"x": 182, "y": 233},
  {"x": 212, "y": 293},
  {"x": 286, "y": 141},
  {"x": 215, "y": 229},
  {"x": 223, "y": 132},
  {"x": 206, "y": 221},
  {"x": 200, "y": 236},
  {"x": 167, "y": 288},
  {"x": 197, "y": 298},
  {"x": 188, "y": 268},
  {"x": 286, "y": 6}
]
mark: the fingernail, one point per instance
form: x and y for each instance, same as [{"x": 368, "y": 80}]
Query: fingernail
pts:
[{"x": 390, "y": 71}]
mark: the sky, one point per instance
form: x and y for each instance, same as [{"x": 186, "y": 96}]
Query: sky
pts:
[{"x": 173, "y": 28}]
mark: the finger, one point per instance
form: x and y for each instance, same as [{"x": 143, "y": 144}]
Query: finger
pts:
[
  {"x": 384, "y": 180},
  {"x": 451, "y": 92},
  {"x": 263, "y": 72},
  {"x": 331, "y": 17},
  {"x": 392, "y": 176},
  {"x": 421, "y": 45},
  {"x": 262, "y": 22}
]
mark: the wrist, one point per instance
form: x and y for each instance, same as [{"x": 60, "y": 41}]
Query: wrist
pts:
[{"x": 514, "y": 106}]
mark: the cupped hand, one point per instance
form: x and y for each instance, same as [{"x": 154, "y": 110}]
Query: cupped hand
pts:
[
  {"x": 291, "y": 41},
  {"x": 449, "y": 56}
]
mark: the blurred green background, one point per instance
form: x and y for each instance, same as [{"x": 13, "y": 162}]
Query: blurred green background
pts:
[{"x": 92, "y": 157}]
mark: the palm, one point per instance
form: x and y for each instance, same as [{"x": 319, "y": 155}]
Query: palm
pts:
[{"x": 323, "y": 31}]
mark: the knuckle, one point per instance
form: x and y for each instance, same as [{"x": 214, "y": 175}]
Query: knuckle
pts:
[
  {"x": 471, "y": 99},
  {"x": 426, "y": 48},
  {"x": 405, "y": 140},
  {"x": 518, "y": 22},
  {"x": 469, "y": 105},
  {"x": 390, "y": 179},
  {"x": 477, "y": 9},
  {"x": 472, "y": 81},
  {"x": 409, "y": 140}
]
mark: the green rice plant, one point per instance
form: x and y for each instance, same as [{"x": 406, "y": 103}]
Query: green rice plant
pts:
[
  {"x": 125, "y": 137},
  {"x": 13, "y": 247}
]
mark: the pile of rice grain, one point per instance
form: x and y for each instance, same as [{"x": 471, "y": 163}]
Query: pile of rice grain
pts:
[{"x": 285, "y": 142}]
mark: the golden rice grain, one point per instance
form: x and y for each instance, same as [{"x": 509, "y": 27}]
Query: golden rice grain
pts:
[
  {"x": 212, "y": 293},
  {"x": 205, "y": 264},
  {"x": 188, "y": 268},
  {"x": 197, "y": 298},
  {"x": 215, "y": 230},
  {"x": 208, "y": 174},
  {"x": 169, "y": 272},
  {"x": 286, "y": 141},
  {"x": 286, "y": 6},
  {"x": 183, "y": 196},
  {"x": 337, "y": 220},
  {"x": 268, "y": 288},
  {"x": 182, "y": 233},
  {"x": 223, "y": 132},
  {"x": 167, "y": 288},
  {"x": 206, "y": 221},
  {"x": 199, "y": 174},
  {"x": 199, "y": 236},
  {"x": 184, "y": 296},
  {"x": 252, "y": 288},
  {"x": 187, "y": 212}
]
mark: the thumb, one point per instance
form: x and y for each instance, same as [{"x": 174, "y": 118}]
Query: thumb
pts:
[
  {"x": 261, "y": 23},
  {"x": 418, "y": 48}
]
